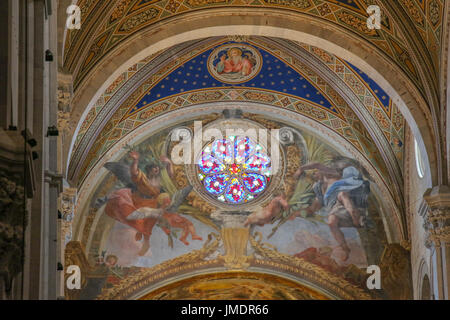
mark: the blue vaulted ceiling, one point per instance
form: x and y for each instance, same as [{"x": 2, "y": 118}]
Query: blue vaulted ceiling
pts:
[
  {"x": 382, "y": 96},
  {"x": 275, "y": 75}
]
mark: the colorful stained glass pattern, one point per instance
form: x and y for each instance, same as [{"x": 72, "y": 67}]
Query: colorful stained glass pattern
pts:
[
  {"x": 255, "y": 183},
  {"x": 222, "y": 150},
  {"x": 216, "y": 184},
  {"x": 258, "y": 163},
  {"x": 243, "y": 149},
  {"x": 208, "y": 164},
  {"x": 235, "y": 192},
  {"x": 234, "y": 170}
]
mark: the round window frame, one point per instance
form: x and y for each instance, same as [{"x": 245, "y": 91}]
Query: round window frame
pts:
[
  {"x": 264, "y": 198},
  {"x": 239, "y": 175}
]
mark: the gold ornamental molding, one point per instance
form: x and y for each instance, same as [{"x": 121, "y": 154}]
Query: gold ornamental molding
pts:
[
  {"x": 189, "y": 262},
  {"x": 235, "y": 285},
  {"x": 202, "y": 261},
  {"x": 306, "y": 270}
]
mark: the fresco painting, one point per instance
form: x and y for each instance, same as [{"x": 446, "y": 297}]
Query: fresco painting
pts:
[
  {"x": 243, "y": 286},
  {"x": 148, "y": 210},
  {"x": 324, "y": 212},
  {"x": 234, "y": 63}
]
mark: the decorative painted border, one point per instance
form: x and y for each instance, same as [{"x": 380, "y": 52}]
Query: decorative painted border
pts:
[
  {"x": 392, "y": 217},
  {"x": 114, "y": 31},
  {"x": 340, "y": 104}
]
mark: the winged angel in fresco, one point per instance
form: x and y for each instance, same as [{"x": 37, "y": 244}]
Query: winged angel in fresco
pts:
[
  {"x": 342, "y": 191},
  {"x": 144, "y": 202},
  {"x": 330, "y": 190}
]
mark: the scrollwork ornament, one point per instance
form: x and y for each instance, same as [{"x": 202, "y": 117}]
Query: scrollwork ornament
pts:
[
  {"x": 287, "y": 136},
  {"x": 290, "y": 136},
  {"x": 184, "y": 133}
]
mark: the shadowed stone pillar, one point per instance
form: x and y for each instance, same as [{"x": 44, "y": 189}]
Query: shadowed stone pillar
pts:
[
  {"x": 67, "y": 200},
  {"x": 65, "y": 94},
  {"x": 437, "y": 225}
]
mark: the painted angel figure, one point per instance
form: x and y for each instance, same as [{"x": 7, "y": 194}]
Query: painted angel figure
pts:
[
  {"x": 136, "y": 205},
  {"x": 174, "y": 219},
  {"x": 342, "y": 193},
  {"x": 265, "y": 215}
]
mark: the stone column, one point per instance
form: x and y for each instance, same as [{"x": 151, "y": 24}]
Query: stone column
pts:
[
  {"x": 67, "y": 201},
  {"x": 4, "y": 64},
  {"x": 437, "y": 225},
  {"x": 41, "y": 114},
  {"x": 65, "y": 95}
]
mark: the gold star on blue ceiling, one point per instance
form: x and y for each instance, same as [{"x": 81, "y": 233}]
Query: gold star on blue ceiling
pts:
[{"x": 275, "y": 75}]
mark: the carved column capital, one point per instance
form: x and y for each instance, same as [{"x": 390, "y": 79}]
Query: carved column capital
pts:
[
  {"x": 437, "y": 217},
  {"x": 63, "y": 120},
  {"x": 13, "y": 222}
]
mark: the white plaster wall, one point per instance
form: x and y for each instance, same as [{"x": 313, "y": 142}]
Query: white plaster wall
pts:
[{"x": 415, "y": 187}]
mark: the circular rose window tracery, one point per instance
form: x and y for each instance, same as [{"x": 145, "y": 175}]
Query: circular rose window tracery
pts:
[{"x": 234, "y": 170}]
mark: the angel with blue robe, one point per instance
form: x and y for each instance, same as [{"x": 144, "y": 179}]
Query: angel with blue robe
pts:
[{"x": 343, "y": 194}]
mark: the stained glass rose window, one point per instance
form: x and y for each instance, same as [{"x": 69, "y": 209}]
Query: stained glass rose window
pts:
[{"x": 234, "y": 170}]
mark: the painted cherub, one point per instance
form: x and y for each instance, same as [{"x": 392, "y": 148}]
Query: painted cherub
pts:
[
  {"x": 265, "y": 215},
  {"x": 177, "y": 221},
  {"x": 169, "y": 219}
]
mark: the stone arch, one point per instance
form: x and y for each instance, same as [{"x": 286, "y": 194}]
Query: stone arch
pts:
[
  {"x": 272, "y": 279},
  {"x": 445, "y": 89},
  {"x": 424, "y": 287},
  {"x": 285, "y": 25},
  {"x": 294, "y": 50},
  {"x": 394, "y": 226}
]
